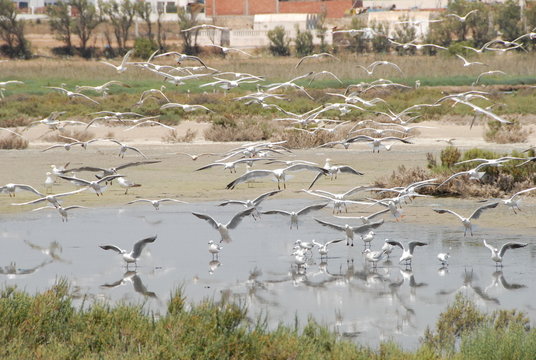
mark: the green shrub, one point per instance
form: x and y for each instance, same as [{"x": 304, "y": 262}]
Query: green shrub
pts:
[
  {"x": 303, "y": 42},
  {"x": 144, "y": 47},
  {"x": 279, "y": 46}
]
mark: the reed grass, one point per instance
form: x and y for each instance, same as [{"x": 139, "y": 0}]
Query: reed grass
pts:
[{"x": 48, "y": 325}]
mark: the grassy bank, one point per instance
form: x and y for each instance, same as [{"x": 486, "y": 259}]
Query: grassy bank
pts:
[{"x": 48, "y": 326}]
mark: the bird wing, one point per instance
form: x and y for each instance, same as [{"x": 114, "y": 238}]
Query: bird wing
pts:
[
  {"x": 28, "y": 188},
  {"x": 315, "y": 179},
  {"x": 138, "y": 247},
  {"x": 511, "y": 245},
  {"x": 238, "y": 218},
  {"x": 310, "y": 208},
  {"x": 77, "y": 181},
  {"x": 207, "y": 218},
  {"x": 412, "y": 245},
  {"x": 333, "y": 226},
  {"x": 109, "y": 178},
  {"x": 111, "y": 247},
  {"x": 278, "y": 212},
  {"x": 210, "y": 166},
  {"x": 395, "y": 243},
  {"x": 264, "y": 196},
  {"x": 333, "y": 242},
  {"x": 476, "y": 214},
  {"x": 363, "y": 228},
  {"x": 299, "y": 167},
  {"x": 371, "y": 216},
  {"x": 136, "y": 150},
  {"x": 348, "y": 170},
  {"x": 443, "y": 211},
  {"x": 126, "y": 57},
  {"x": 137, "y": 163},
  {"x": 248, "y": 176},
  {"x": 523, "y": 191},
  {"x": 138, "y": 200}
]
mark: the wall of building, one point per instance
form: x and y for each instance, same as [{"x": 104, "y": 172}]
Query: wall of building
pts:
[{"x": 334, "y": 8}]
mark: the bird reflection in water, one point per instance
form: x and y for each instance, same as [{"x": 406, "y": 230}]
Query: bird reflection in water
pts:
[{"x": 133, "y": 278}]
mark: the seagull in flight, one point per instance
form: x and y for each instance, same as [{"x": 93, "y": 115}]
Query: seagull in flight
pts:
[
  {"x": 132, "y": 256},
  {"x": 156, "y": 203},
  {"x": 93, "y": 185},
  {"x": 53, "y": 199},
  {"x": 512, "y": 202},
  {"x": 10, "y": 189},
  {"x": 497, "y": 255},
  {"x": 224, "y": 228},
  {"x": 231, "y": 165},
  {"x": 123, "y": 66},
  {"x": 205, "y": 26},
  {"x": 370, "y": 69},
  {"x": 316, "y": 56},
  {"x": 252, "y": 203},
  {"x": 466, "y": 221},
  {"x": 351, "y": 230},
  {"x": 279, "y": 174},
  {"x": 467, "y": 63},
  {"x": 124, "y": 148},
  {"x": 71, "y": 94},
  {"x": 462, "y": 18},
  {"x": 63, "y": 211},
  {"x": 226, "y": 50},
  {"x": 182, "y": 57},
  {"x": 294, "y": 215}
]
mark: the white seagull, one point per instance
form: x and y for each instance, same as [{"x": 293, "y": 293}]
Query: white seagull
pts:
[
  {"x": 315, "y": 56},
  {"x": 279, "y": 174},
  {"x": 252, "y": 203},
  {"x": 497, "y": 255},
  {"x": 323, "y": 247},
  {"x": 407, "y": 254},
  {"x": 93, "y": 185},
  {"x": 351, "y": 230},
  {"x": 214, "y": 249},
  {"x": 224, "y": 228},
  {"x": 294, "y": 215},
  {"x": 63, "y": 211},
  {"x": 53, "y": 199},
  {"x": 156, "y": 203},
  {"x": 123, "y": 66},
  {"x": 512, "y": 202},
  {"x": 132, "y": 256},
  {"x": 467, "y": 221},
  {"x": 10, "y": 189}
]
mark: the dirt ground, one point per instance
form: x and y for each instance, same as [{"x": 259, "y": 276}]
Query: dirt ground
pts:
[{"x": 175, "y": 175}]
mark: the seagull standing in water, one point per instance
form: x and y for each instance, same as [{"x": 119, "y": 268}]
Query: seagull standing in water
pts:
[
  {"x": 467, "y": 221},
  {"x": 132, "y": 256},
  {"x": 224, "y": 228},
  {"x": 214, "y": 249},
  {"x": 323, "y": 248},
  {"x": 407, "y": 253},
  {"x": 497, "y": 255}
]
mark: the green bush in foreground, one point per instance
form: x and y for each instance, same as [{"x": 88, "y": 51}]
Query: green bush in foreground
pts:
[{"x": 48, "y": 326}]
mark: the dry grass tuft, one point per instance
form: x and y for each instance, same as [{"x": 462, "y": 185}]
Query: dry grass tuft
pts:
[
  {"x": 228, "y": 128},
  {"x": 296, "y": 139},
  {"x": 506, "y": 134},
  {"x": 13, "y": 142},
  {"x": 173, "y": 138}
]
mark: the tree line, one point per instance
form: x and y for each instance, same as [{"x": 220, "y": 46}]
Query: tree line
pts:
[{"x": 73, "y": 20}]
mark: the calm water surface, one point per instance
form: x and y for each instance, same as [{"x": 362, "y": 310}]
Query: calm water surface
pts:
[{"x": 257, "y": 270}]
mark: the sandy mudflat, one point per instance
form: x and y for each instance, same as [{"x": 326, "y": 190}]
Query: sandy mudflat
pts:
[{"x": 175, "y": 175}]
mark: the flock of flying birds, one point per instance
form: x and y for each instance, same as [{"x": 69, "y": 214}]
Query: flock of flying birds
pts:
[{"x": 381, "y": 132}]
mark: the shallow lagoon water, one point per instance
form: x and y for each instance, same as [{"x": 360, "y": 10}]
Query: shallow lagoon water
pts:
[{"x": 256, "y": 269}]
